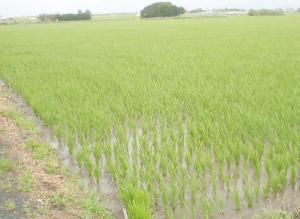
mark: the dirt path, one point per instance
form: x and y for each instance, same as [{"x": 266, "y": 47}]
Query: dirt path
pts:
[{"x": 33, "y": 183}]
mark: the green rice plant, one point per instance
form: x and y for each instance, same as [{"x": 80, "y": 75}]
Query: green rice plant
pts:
[
  {"x": 275, "y": 183},
  {"x": 190, "y": 146},
  {"x": 163, "y": 164},
  {"x": 235, "y": 172},
  {"x": 156, "y": 194},
  {"x": 173, "y": 173},
  {"x": 268, "y": 166},
  {"x": 235, "y": 196},
  {"x": 217, "y": 108},
  {"x": 173, "y": 195},
  {"x": 237, "y": 154},
  {"x": 97, "y": 152},
  {"x": 293, "y": 175},
  {"x": 97, "y": 171},
  {"x": 223, "y": 174},
  {"x": 227, "y": 180},
  {"x": 249, "y": 194},
  {"x": 256, "y": 190},
  {"x": 180, "y": 151},
  {"x": 254, "y": 157},
  {"x": 137, "y": 202},
  {"x": 208, "y": 208},
  {"x": 170, "y": 213},
  {"x": 221, "y": 204},
  {"x": 228, "y": 157},
  {"x": 193, "y": 187},
  {"x": 266, "y": 190},
  {"x": 214, "y": 182},
  {"x": 165, "y": 194},
  {"x": 181, "y": 186},
  {"x": 193, "y": 209},
  {"x": 188, "y": 159}
]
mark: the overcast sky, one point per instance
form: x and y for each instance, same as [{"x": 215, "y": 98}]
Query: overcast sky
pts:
[{"x": 36, "y": 7}]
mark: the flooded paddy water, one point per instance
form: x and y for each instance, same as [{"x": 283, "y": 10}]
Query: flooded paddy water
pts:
[{"x": 286, "y": 199}]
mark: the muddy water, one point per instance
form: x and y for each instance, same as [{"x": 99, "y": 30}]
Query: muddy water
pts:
[{"x": 107, "y": 187}]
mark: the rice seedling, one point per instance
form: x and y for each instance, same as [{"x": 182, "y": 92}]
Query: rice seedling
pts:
[
  {"x": 236, "y": 198},
  {"x": 208, "y": 207},
  {"x": 170, "y": 213},
  {"x": 256, "y": 190},
  {"x": 155, "y": 115},
  {"x": 173, "y": 195},
  {"x": 193, "y": 209},
  {"x": 165, "y": 192},
  {"x": 182, "y": 186},
  {"x": 249, "y": 195},
  {"x": 193, "y": 187},
  {"x": 221, "y": 204},
  {"x": 293, "y": 175},
  {"x": 266, "y": 190},
  {"x": 137, "y": 202}
]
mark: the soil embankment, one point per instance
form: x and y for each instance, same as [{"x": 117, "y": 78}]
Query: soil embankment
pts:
[{"x": 33, "y": 182}]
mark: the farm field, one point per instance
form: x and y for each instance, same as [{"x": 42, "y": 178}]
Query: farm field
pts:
[{"x": 195, "y": 118}]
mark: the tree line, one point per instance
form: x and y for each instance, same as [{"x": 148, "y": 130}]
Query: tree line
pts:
[
  {"x": 87, "y": 15},
  {"x": 265, "y": 12}
]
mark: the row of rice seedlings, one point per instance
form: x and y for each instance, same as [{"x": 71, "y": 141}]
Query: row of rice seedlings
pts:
[{"x": 172, "y": 157}]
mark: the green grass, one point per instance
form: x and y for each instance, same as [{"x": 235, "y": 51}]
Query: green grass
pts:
[
  {"x": 50, "y": 168},
  {"x": 6, "y": 186},
  {"x": 19, "y": 119},
  {"x": 41, "y": 150},
  {"x": 10, "y": 205},
  {"x": 6, "y": 164},
  {"x": 196, "y": 94},
  {"x": 58, "y": 198},
  {"x": 91, "y": 204},
  {"x": 25, "y": 182}
]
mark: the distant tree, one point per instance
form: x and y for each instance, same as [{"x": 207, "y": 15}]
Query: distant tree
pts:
[
  {"x": 162, "y": 9},
  {"x": 199, "y": 10},
  {"x": 298, "y": 10},
  {"x": 265, "y": 12},
  {"x": 252, "y": 12},
  {"x": 87, "y": 15},
  {"x": 48, "y": 17},
  {"x": 88, "y": 12}
]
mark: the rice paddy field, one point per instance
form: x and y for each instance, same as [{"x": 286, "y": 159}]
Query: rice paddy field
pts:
[{"x": 190, "y": 117}]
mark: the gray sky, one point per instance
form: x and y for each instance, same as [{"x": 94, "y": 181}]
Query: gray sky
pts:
[{"x": 36, "y": 7}]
